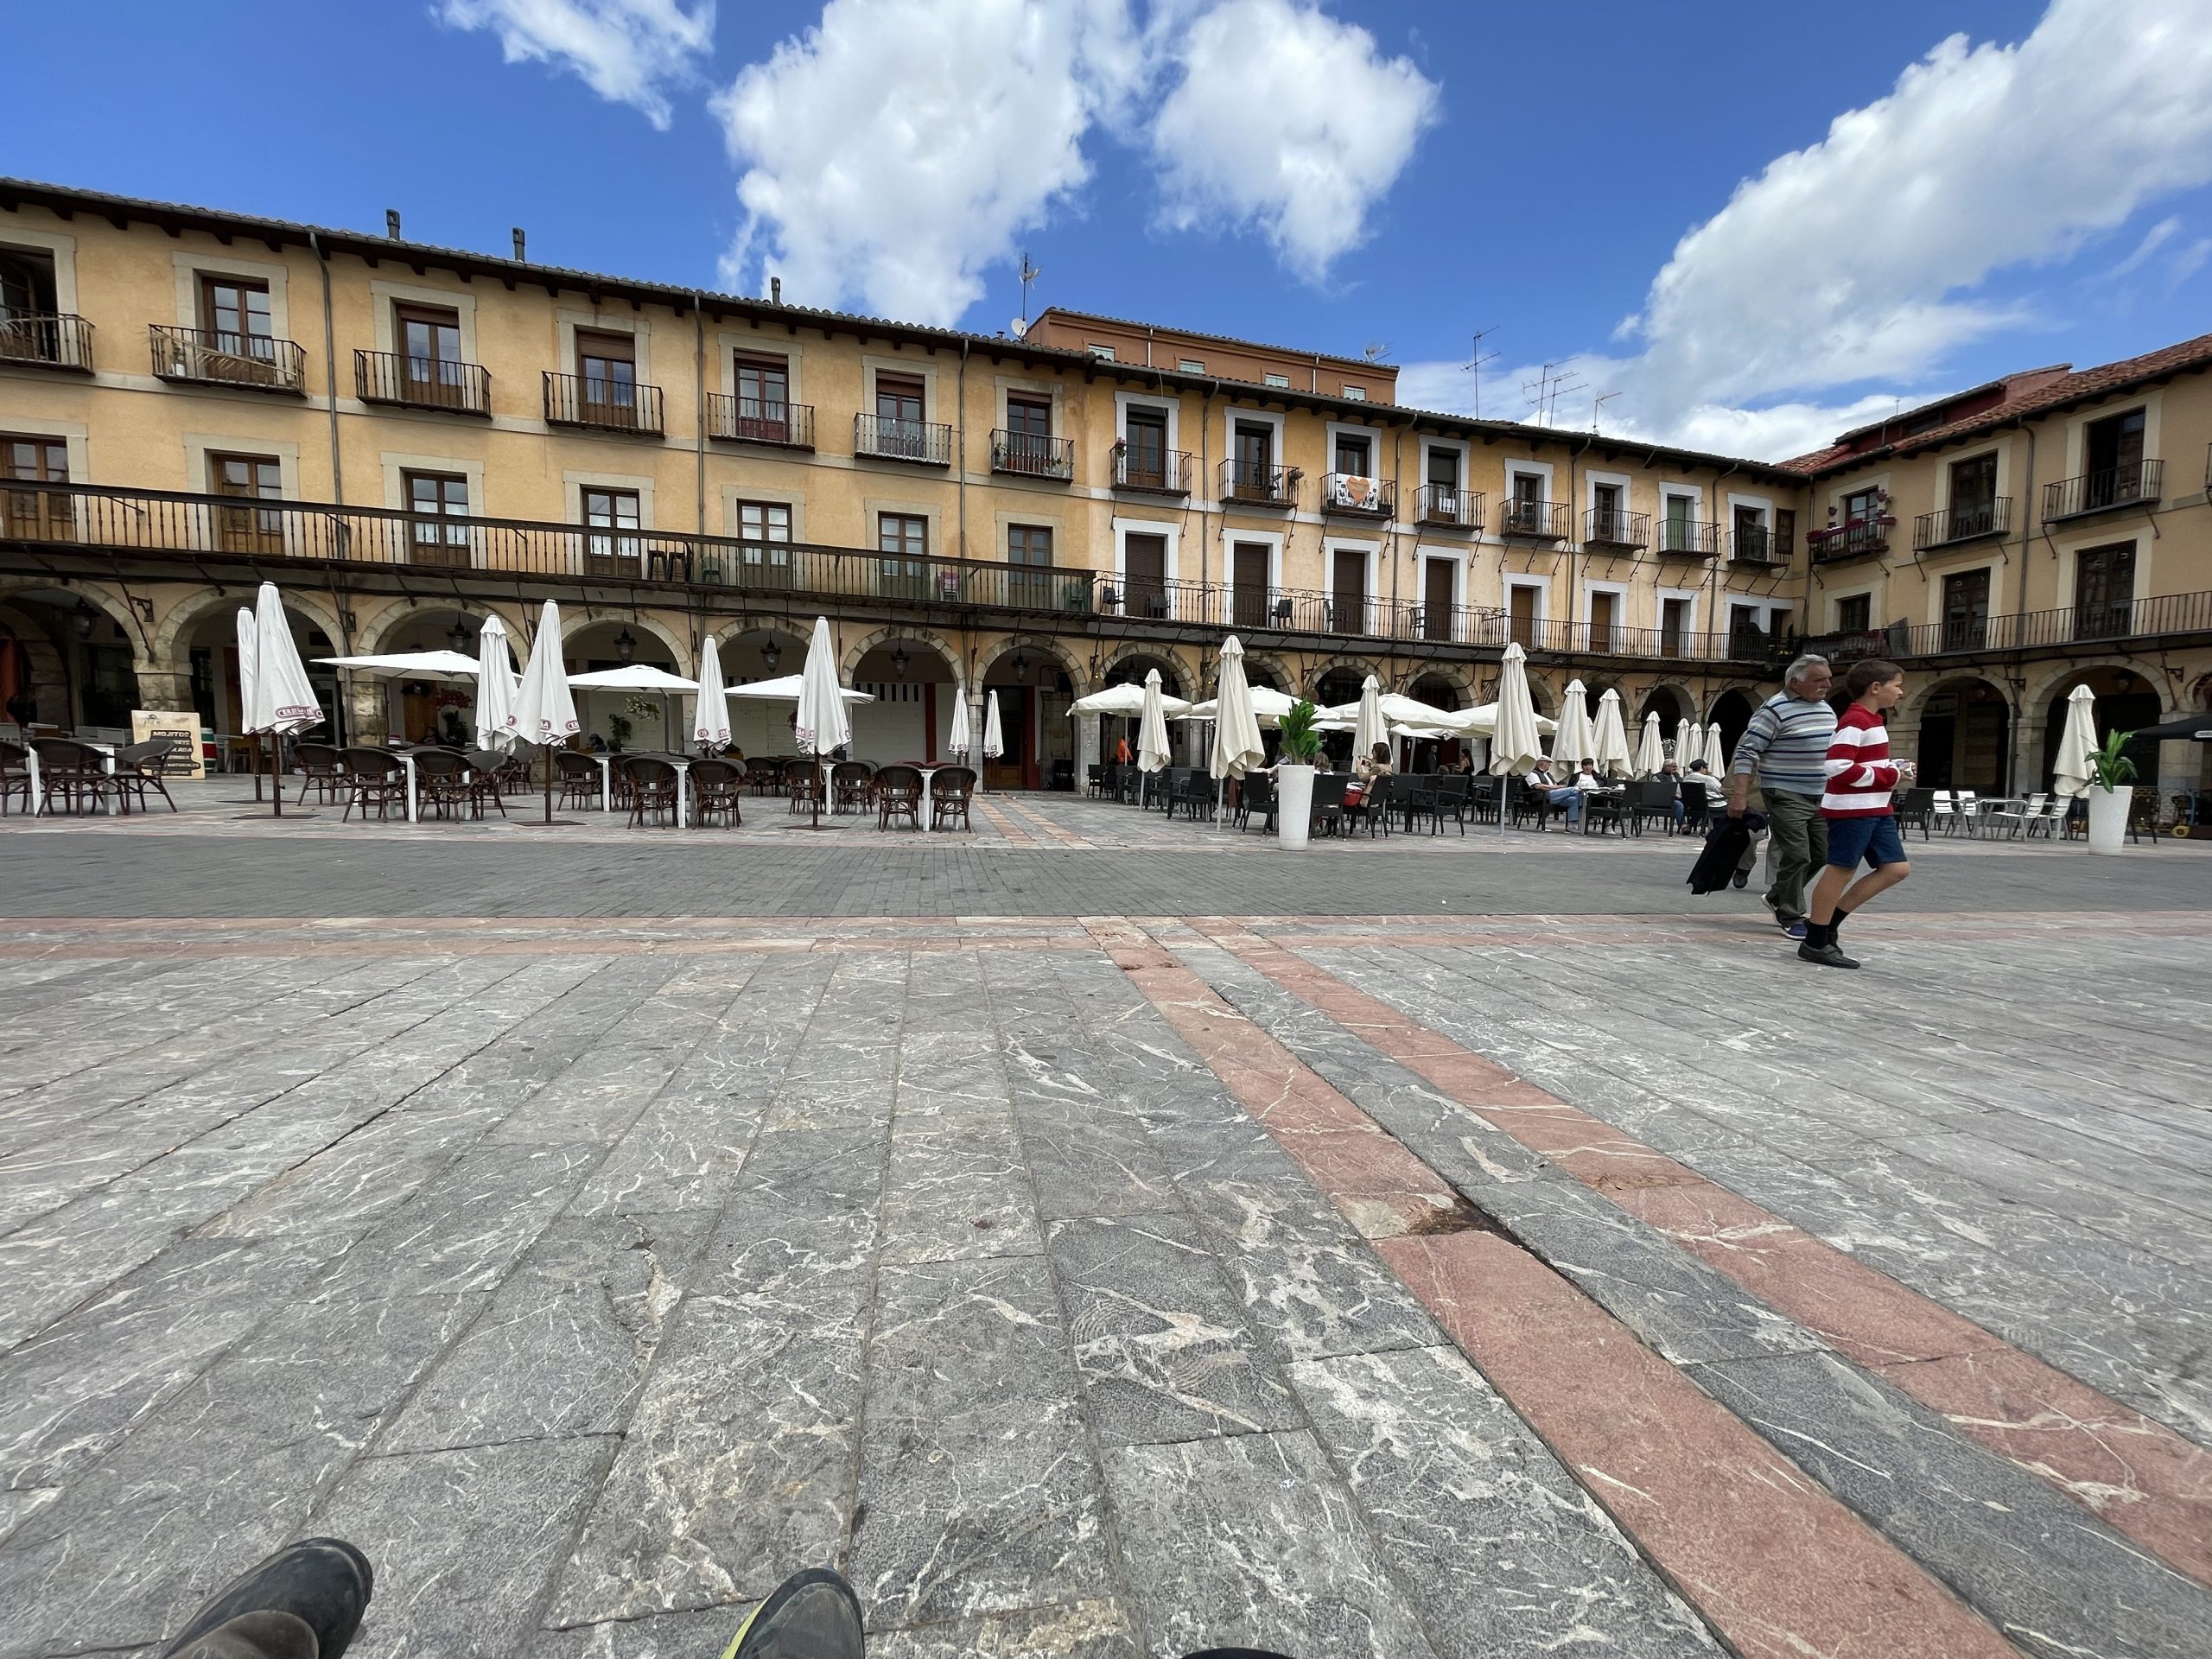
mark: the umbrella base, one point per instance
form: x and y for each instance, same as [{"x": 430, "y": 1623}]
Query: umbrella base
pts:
[
  {"x": 543, "y": 823},
  {"x": 269, "y": 818}
]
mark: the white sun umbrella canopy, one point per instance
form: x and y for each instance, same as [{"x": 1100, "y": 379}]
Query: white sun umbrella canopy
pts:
[
  {"x": 1237, "y": 745},
  {"x": 1689, "y": 744},
  {"x": 1715, "y": 758},
  {"x": 785, "y": 689},
  {"x": 710, "y": 712},
  {"x": 1651, "y": 752},
  {"x": 821, "y": 723},
  {"x": 546, "y": 712},
  {"x": 1151, "y": 725},
  {"x": 247, "y": 655},
  {"x": 1125, "y": 700},
  {"x": 495, "y": 688},
  {"x": 959, "y": 743},
  {"x": 416, "y": 664},
  {"x": 2072, "y": 774},
  {"x": 1574, "y": 742},
  {"x": 1611, "y": 738},
  {"x": 1269, "y": 706},
  {"x": 994, "y": 735},
  {"x": 1481, "y": 721},
  {"x": 1367, "y": 725}
]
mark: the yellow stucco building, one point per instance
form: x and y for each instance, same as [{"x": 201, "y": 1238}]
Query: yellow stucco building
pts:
[{"x": 405, "y": 438}]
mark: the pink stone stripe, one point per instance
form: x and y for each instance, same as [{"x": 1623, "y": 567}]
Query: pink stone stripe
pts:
[
  {"x": 1775, "y": 1565},
  {"x": 2139, "y": 1476},
  {"x": 996, "y": 817},
  {"x": 1036, "y": 815}
]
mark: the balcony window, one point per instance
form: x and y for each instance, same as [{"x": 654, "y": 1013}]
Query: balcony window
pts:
[
  {"x": 764, "y": 530},
  {"x": 1026, "y": 446},
  {"x": 1029, "y": 547},
  {"x": 900, "y": 427},
  {"x": 902, "y": 539},
  {"x": 1749, "y": 544},
  {"x": 611, "y": 544},
  {"x": 1348, "y": 591},
  {"x": 1679, "y": 523},
  {"x": 35, "y": 515},
  {"x": 1144, "y": 449},
  {"x": 1438, "y": 581},
  {"x": 233, "y": 346},
  {"x": 764, "y": 409},
  {"x": 1674, "y": 626},
  {"x": 432, "y": 497},
  {"x": 1144, "y": 575},
  {"x": 237, "y": 313},
  {"x": 239, "y": 529},
  {"x": 1965, "y": 610},
  {"x": 32, "y": 327},
  {"x": 2104, "y": 591},
  {"x": 608, "y": 366},
  {"x": 2113, "y": 446}
]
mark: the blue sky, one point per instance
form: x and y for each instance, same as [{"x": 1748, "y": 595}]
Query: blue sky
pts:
[{"x": 1326, "y": 176}]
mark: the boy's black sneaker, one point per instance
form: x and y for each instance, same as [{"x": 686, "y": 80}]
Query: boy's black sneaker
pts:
[
  {"x": 303, "y": 1602},
  {"x": 810, "y": 1615},
  {"x": 1828, "y": 956}
]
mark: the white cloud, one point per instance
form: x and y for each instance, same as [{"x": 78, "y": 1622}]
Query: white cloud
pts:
[
  {"x": 1287, "y": 120},
  {"x": 1861, "y": 258},
  {"x": 899, "y": 147},
  {"x": 2186, "y": 264},
  {"x": 627, "y": 51},
  {"x": 2154, "y": 238}
]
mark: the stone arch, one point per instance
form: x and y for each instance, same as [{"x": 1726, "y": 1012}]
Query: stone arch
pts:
[
  {"x": 1675, "y": 701},
  {"x": 1344, "y": 662},
  {"x": 1960, "y": 727},
  {"x": 1186, "y": 675},
  {"x": 1459, "y": 676},
  {"x": 1262, "y": 662},
  {"x": 1926, "y": 687},
  {"x": 112, "y": 606},
  {"x": 373, "y": 637},
  {"x": 1546, "y": 700},
  {"x": 1731, "y": 710},
  {"x": 573, "y": 626},
  {"x": 898, "y": 633},
  {"x": 195, "y": 609},
  {"x": 2054, "y": 680},
  {"x": 1044, "y": 645}
]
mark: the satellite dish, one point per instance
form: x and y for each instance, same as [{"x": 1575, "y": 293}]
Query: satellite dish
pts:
[{"x": 1019, "y": 327}]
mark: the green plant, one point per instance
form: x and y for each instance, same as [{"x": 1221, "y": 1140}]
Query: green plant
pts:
[
  {"x": 2109, "y": 767},
  {"x": 618, "y": 730},
  {"x": 1301, "y": 742}
]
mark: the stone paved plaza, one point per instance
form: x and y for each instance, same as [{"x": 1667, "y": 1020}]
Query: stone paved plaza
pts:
[{"x": 1100, "y": 1237}]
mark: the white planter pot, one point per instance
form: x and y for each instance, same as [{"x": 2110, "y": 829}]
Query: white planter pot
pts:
[
  {"x": 1294, "y": 804},
  {"x": 2108, "y": 817}
]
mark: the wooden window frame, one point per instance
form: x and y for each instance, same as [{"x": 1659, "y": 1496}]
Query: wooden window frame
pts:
[
  {"x": 762, "y": 417},
  {"x": 245, "y": 529},
  {"x": 429, "y": 540},
  {"x": 614, "y": 549},
  {"x": 31, "y": 514}
]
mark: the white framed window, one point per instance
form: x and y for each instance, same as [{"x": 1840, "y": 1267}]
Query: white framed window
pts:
[
  {"x": 1282, "y": 380},
  {"x": 1190, "y": 366},
  {"x": 1103, "y": 353},
  {"x": 1356, "y": 394}
]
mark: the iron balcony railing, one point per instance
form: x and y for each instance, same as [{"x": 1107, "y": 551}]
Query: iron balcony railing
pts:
[
  {"x": 752, "y": 419},
  {"x": 191, "y": 529},
  {"x": 49, "y": 342},
  {"x": 1543, "y": 521},
  {"x": 1757, "y": 545},
  {"x": 208, "y": 357},
  {"x": 1152, "y": 472},
  {"x": 1357, "y": 496},
  {"x": 1608, "y": 527},
  {"x": 422, "y": 382},
  {"x": 2168, "y": 615},
  {"x": 926, "y": 443},
  {"x": 602, "y": 404},
  {"x": 1966, "y": 524},
  {"x": 1249, "y": 484},
  {"x": 1853, "y": 541},
  {"x": 1449, "y": 505},
  {"x": 1029, "y": 455},
  {"x": 2138, "y": 484},
  {"x": 1688, "y": 538}
]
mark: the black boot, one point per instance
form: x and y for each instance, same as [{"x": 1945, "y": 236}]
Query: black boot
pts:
[
  {"x": 303, "y": 1602},
  {"x": 810, "y": 1615}
]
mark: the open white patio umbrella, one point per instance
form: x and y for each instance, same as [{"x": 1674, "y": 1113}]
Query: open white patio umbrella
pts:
[
  {"x": 1575, "y": 740},
  {"x": 440, "y": 664},
  {"x": 1689, "y": 744},
  {"x": 1125, "y": 700},
  {"x": 1651, "y": 752},
  {"x": 1368, "y": 726},
  {"x": 710, "y": 711},
  {"x": 495, "y": 688},
  {"x": 1514, "y": 744},
  {"x": 1611, "y": 738},
  {"x": 1269, "y": 707},
  {"x": 2072, "y": 774},
  {"x": 1152, "y": 728},
  {"x": 546, "y": 712},
  {"x": 1237, "y": 745},
  {"x": 959, "y": 743},
  {"x": 637, "y": 677},
  {"x": 822, "y": 724},
  {"x": 1715, "y": 756},
  {"x": 785, "y": 689},
  {"x": 1481, "y": 721},
  {"x": 282, "y": 700}
]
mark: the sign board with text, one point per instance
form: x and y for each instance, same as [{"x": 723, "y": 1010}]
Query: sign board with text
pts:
[{"x": 183, "y": 732}]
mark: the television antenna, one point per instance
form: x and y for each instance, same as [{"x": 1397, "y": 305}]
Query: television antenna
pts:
[
  {"x": 1029, "y": 274},
  {"x": 1597, "y": 407},
  {"x": 1477, "y": 357},
  {"x": 1552, "y": 383},
  {"x": 1375, "y": 350}
]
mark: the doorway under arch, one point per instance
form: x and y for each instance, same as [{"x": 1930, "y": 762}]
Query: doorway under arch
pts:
[
  {"x": 2126, "y": 701},
  {"x": 1966, "y": 736}
]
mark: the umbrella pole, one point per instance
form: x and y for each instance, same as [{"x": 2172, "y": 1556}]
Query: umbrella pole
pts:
[
  {"x": 277, "y": 770},
  {"x": 548, "y": 783}
]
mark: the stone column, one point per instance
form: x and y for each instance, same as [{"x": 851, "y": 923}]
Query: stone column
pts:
[
  {"x": 367, "y": 712},
  {"x": 168, "y": 689},
  {"x": 1086, "y": 750}
]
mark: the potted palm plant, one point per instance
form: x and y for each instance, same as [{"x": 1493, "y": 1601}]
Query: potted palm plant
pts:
[
  {"x": 2112, "y": 779},
  {"x": 1294, "y": 773}
]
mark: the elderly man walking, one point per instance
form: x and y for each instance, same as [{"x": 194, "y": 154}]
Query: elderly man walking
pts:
[{"x": 1785, "y": 748}]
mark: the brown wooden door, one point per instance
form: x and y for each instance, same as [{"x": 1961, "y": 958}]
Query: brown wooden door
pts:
[
  {"x": 1348, "y": 591},
  {"x": 1144, "y": 453},
  {"x": 608, "y": 366},
  {"x": 36, "y": 515},
  {"x": 2104, "y": 591},
  {"x": 1144, "y": 571},
  {"x": 1520, "y": 611},
  {"x": 1436, "y": 600},
  {"x": 1966, "y": 611},
  {"x": 1254, "y": 600},
  {"x": 1604, "y": 609}
]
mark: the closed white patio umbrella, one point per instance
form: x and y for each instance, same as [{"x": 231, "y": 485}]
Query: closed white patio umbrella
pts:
[
  {"x": 1152, "y": 728},
  {"x": 283, "y": 701},
  {"x": 1610, "y": 740},
  {"x": 1651, "y": 752},
  {"x": 710, "y": 710},
  {"x": 1689, "y": 744},
  {"x": 822, "y": 724},
  {"x": 495, "y": 688},
  {"x": 1368, "y": 726},
  {"x": 2072, "y": 774},
  {"x": 1237, "y": 745},
  {"x": 247, "y": 652},
  {"x": 1574, "y": 741},
  {"x": 1514, "y": 744},
  {"x": 545, "y": 712},
  {"x": 1716, "y": 747},
  {"x": 959, "y": 742},
  {"x": 994, "y": 735}
]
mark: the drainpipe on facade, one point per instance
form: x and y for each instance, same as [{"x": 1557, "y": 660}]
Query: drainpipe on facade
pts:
[
  {"x": 1205, "y": 483},
  {"x": 1573, "y": 456},
  {"x": 337, "y": 475},
  {"x": 960, "y": 474},
  {"x": 699, "y": 400},
  {"x": 2019, "y": 609},
  {"x": 1718, "y": 578}
]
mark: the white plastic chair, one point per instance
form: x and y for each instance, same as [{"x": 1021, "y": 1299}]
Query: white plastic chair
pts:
[
  {"x": 1945, "y": 817},
  {"x": 1968, "y": 817},
  {"x": 2054, "y": 814},
  {"x": 2019, "y": 818}
]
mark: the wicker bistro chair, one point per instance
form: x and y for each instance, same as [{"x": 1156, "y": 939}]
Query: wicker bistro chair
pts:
[
  {"x": 897, "y": 794},
  {"x": 652, "y": 790},
  {"x": 578, "y": 778},
  {"x": 951, "y": 788},
  {"x": 442, "y": 776},
  {"x": 373, "y": 777},
  {"x": 764, "y": 774},
  {"x": 15, "y": 776},
  {"x": 139, "y": 774},
  {"x": 486, "y": 768},
  {"x": 718, "y": 786},
  {"x": 852, "y": 786},
  {"x": 320, "y": 770},
  {"x": 802, "y": 783},
  {"x": 77, "y": 773}
]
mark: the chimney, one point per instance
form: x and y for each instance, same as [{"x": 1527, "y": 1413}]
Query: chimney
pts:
[
  {"x": 775, "y": 291},
  {"x": 518, "y": 252},
  {"x": 391, "y": 223}
]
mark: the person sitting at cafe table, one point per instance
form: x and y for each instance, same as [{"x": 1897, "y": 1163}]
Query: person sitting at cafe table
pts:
[
  {"x": 1566, "y": 797},
  {"x": 1365, "y": 770}
]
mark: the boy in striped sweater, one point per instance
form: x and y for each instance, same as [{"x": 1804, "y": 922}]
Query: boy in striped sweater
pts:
[{"x": 1861, "y": 823}]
